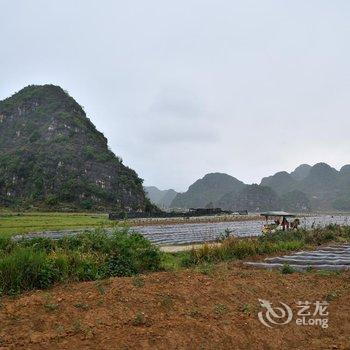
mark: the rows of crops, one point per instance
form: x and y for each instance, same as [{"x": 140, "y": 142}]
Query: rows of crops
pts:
[{"x": 207, "y": 232}]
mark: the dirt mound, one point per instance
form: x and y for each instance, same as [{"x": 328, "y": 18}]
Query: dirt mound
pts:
[{"x": 215, "y": 308}]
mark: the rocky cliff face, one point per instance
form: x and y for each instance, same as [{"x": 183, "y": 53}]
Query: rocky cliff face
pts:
[{"x": 51, "y": 155}]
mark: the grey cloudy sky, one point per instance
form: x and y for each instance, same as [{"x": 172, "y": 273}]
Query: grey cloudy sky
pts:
[{"x": 182, "y": 88}]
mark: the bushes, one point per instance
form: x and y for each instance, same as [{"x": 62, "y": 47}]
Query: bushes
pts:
[
  {"x": 42, "y": 262},
  {"x": 280, "y": 241},
  {"x": 236, "y": 248},
  {"x": 26, "y": 269}
]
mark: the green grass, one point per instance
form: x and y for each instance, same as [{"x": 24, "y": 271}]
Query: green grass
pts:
[
  {"x": 39, "y": 263},
  {"x": 237, "y": 248},
  {"x": 42, "y": 262},
  {"x": 19, "y": 223}
]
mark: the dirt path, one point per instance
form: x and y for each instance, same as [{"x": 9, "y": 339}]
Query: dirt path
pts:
[{"x": 182, "y": 310}]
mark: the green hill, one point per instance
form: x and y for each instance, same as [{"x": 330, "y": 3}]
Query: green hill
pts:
[
  {"x": 281, "y": 182},
  {"x": 208, "y": 189},
  {"x": 301, "y": 172},
  {"x": 161, "y": 198},
  {"x": 321, "y": 187},
  {"x": 254, "y": 198},
  {"x": 295, "y": 201},
  {"x": 52, "y": 156}
]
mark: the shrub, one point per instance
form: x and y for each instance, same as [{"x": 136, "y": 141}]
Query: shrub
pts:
[
  {"x": 40, "y": 262},
  {"x": 120, "y": 265},
  {"x": 38, "y": 244},
  {"x": 52, "y": 200},
  {"x": 6, "y": 245},
  {"x": 26, "y": 269},
  {"x": 287, "y": 269}
]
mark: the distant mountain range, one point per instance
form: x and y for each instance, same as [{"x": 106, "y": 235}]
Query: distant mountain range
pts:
[
  {"x": 318, "y": 188},
  {"x": 207, "y": 191},
  {"x": 162, "y": 198},
  {"x": 325, "y": 187}
]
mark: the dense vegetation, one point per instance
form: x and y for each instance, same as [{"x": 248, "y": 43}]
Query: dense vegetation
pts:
[
  {"x": 41, "y": 262},
  {"x": 280, "y": 241},
  {"x": 52, "y": 157}
]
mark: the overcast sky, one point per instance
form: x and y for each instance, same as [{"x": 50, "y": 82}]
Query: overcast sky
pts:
[{"x": 182, "y": 88}]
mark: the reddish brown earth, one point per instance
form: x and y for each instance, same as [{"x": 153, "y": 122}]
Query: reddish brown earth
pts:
[{"x": 181, "y": 310}]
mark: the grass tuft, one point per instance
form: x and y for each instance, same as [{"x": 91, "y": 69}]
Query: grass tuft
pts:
[{"x": 40, "y": 263}]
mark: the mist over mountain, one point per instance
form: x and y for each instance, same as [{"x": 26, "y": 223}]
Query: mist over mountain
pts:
[
  {"x": 254, "y": 198},
  {"x": 295, "y": 201},
  {"x": 52, "y": 156},
  {"x": 301, "y": 172},
  {"x": 280, "y": 182},
  {"x": 207, "y": 190},
  {"x": 325, "y": 187},
  {"x": 161, "y": 198},
  {"x": 318, "y": 188}
]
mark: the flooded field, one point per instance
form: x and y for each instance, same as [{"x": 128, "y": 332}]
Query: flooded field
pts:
[{"x": 187, "y": 233}]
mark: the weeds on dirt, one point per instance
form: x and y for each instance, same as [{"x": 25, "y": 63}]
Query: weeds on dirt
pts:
[
  {"x": 287, "y": 269},
  {"x": 166, "y": 302},
  {"x": 236, "y": 248},
  {"x": 206, "y": 268},
  {"x": 327, "y": 273},
  {"x": 77, "y": 326},
  {"x": 139, "y": 319},
  {"x": 49, "y": 304},
  {"x": 278, "y": 242},
  {"x": 247, "y": 309},
  {"x": 138, "y": 281},
  {"x": 94, "y": 255},
  {"x": 332, "y": 296},
  {"x": 101, "y": 286},
  {"x": 60, "y": 328},
  {"x": 82, "y": 305},
  {"x": 220, "y": 309},
  {"x": 194, "y": 312},
  {"x": 221, "y": 271}
]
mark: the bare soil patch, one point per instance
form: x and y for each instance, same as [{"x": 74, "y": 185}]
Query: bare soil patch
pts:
[{"x": 189, "y": 309}]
